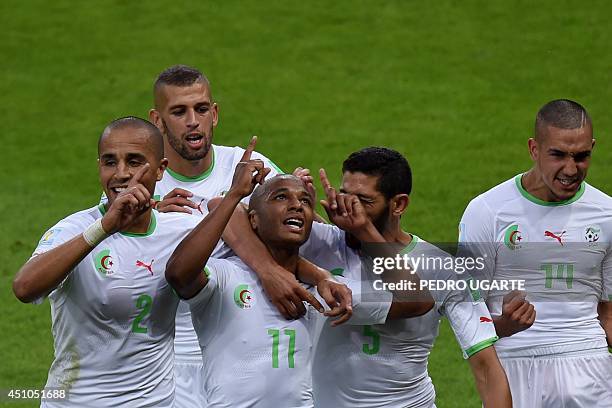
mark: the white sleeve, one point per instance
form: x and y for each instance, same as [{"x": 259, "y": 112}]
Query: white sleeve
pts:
[
  {"x": 216, "y": 270},
  {"x": 470, "y": 320},
  {"x": 324, "y": 240},
  {"x": 55, "y": 236},
  {"x": 476, "y": 238},
  {"x": 60, "y": 233},
  {"x": 368, "y": 307}
]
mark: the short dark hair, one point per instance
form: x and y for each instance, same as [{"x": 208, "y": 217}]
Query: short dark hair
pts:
[
  {"x": 391, "y": 168},
  {"x": 561, "y": 114},
  {"x": 133, "y": 122},
  {"x": 180, "y": 75}
]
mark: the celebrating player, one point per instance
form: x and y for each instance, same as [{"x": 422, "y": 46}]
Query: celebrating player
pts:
[
  {"x": 550, "y": 228},
  {"x": 252, "y": 355},
  {"x": 387, "y": 362},
  {"x": 103, "y": 272},
  {"x": 198, "y": 170}
]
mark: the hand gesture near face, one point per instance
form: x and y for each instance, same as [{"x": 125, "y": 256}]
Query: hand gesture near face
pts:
[
  {"x": 344, "y": 210},
  {"x": 129, "y": 204},
  {"x": 248, "y": 172}
]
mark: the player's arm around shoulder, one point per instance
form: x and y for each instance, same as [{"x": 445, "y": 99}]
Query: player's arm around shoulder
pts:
[{"x": 491, "y": 380}]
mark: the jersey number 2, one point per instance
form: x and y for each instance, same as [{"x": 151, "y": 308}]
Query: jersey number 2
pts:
[
  {"x": 144, "y": 303},
  {"x": 275, "y": 333}
]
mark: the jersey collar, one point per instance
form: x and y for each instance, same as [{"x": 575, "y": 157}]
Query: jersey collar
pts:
[
  {"x": 199, "y": 177},
  {"x": 149, "y": 231},
  {"x": 536, "y": 200}
]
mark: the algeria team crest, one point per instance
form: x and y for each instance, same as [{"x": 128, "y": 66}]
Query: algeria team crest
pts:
[
  {"x": 243, "y": 297},
  {"x": 103, "y": 262},
  {"x": 514, "y": 237}
]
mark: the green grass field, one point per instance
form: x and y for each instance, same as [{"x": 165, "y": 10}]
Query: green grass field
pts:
[{"x": 453, "y": 85}]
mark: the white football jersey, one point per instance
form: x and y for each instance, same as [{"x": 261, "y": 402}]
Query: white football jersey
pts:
[
  {"x": 385, "y": 365},
  {"x": 561, "y": 250},
  {"x": 113, "y": 315},
  {"x": 214, "y": 182},
  {"x": 252, "y": 355}
]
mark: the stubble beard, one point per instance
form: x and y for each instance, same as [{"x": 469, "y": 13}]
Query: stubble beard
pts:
[{"x": 183, "y": 150}]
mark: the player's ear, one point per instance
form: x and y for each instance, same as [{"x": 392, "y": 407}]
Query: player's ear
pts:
[
  {"x": 533, "y": 148},
  {"x": 155, "y": 118},
  {"x": 399, "y": 203},
  {"x": 214, "y": 109},
  {"x": 253, "y": 220},
  {"x": 163, "y": 164}
]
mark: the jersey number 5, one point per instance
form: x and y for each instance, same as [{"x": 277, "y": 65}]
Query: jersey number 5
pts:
[
  {"x": 275, "y": 333},
  {"x": 375, "y": 346}
]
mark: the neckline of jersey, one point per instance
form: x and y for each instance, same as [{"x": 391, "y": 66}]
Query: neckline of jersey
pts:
[
  {"x": 149, "y": 231},
  {"x": 408, "y": 248},
  {"x": 538, "y": 201},
  {"x": 199, "y": 177}
]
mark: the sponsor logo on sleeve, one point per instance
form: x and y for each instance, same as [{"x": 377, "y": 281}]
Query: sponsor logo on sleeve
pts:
[{"x": 50, "y": 236}]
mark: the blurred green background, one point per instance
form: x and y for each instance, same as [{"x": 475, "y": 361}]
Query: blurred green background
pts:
[{"x": 453, "y": 85}]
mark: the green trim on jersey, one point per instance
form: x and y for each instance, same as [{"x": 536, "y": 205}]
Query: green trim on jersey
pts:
[
  {"x": 278, "y": 169},
  {"x": 536, "y": 200},
  {"x": 149, "y": 231},
  {"x": 480, "y": 346},
  {"x": 193, "y": 179},
  {"x": 411, "y": 245}
]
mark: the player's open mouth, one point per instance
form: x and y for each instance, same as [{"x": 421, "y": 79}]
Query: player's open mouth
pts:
[
  {"x": 568, "y": 183},
  {"x": 118, "y": 190},
  {"x": 295, "y": 224},
  {"x": 195, "y": 140}
]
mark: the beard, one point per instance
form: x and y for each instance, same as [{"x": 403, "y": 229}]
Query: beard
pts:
[
  {"x": 380, "y": 223},
  {"x": 183, "y": 149}
]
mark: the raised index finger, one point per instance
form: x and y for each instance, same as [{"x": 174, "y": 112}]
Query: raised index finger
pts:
[
  {"x": 249, "y": 150},
  {"x": 139, "y": 174},
  {"x": 324, "y": 180},
  {"x": 330, "y": 192}
]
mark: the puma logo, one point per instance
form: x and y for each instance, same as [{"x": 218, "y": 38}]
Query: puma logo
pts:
[
  {"x": 553, "y": 235},
  {"x": 199, "y": 207},
  {"x": 149, "y": 267}
]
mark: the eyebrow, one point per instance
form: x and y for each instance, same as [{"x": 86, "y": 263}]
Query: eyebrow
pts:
[
  {"x": 182, "y": 105},
  {"x": 128, "y": 156},
  {"x": 285, "y": 190},
  {"x": 582, "y": 153}
]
